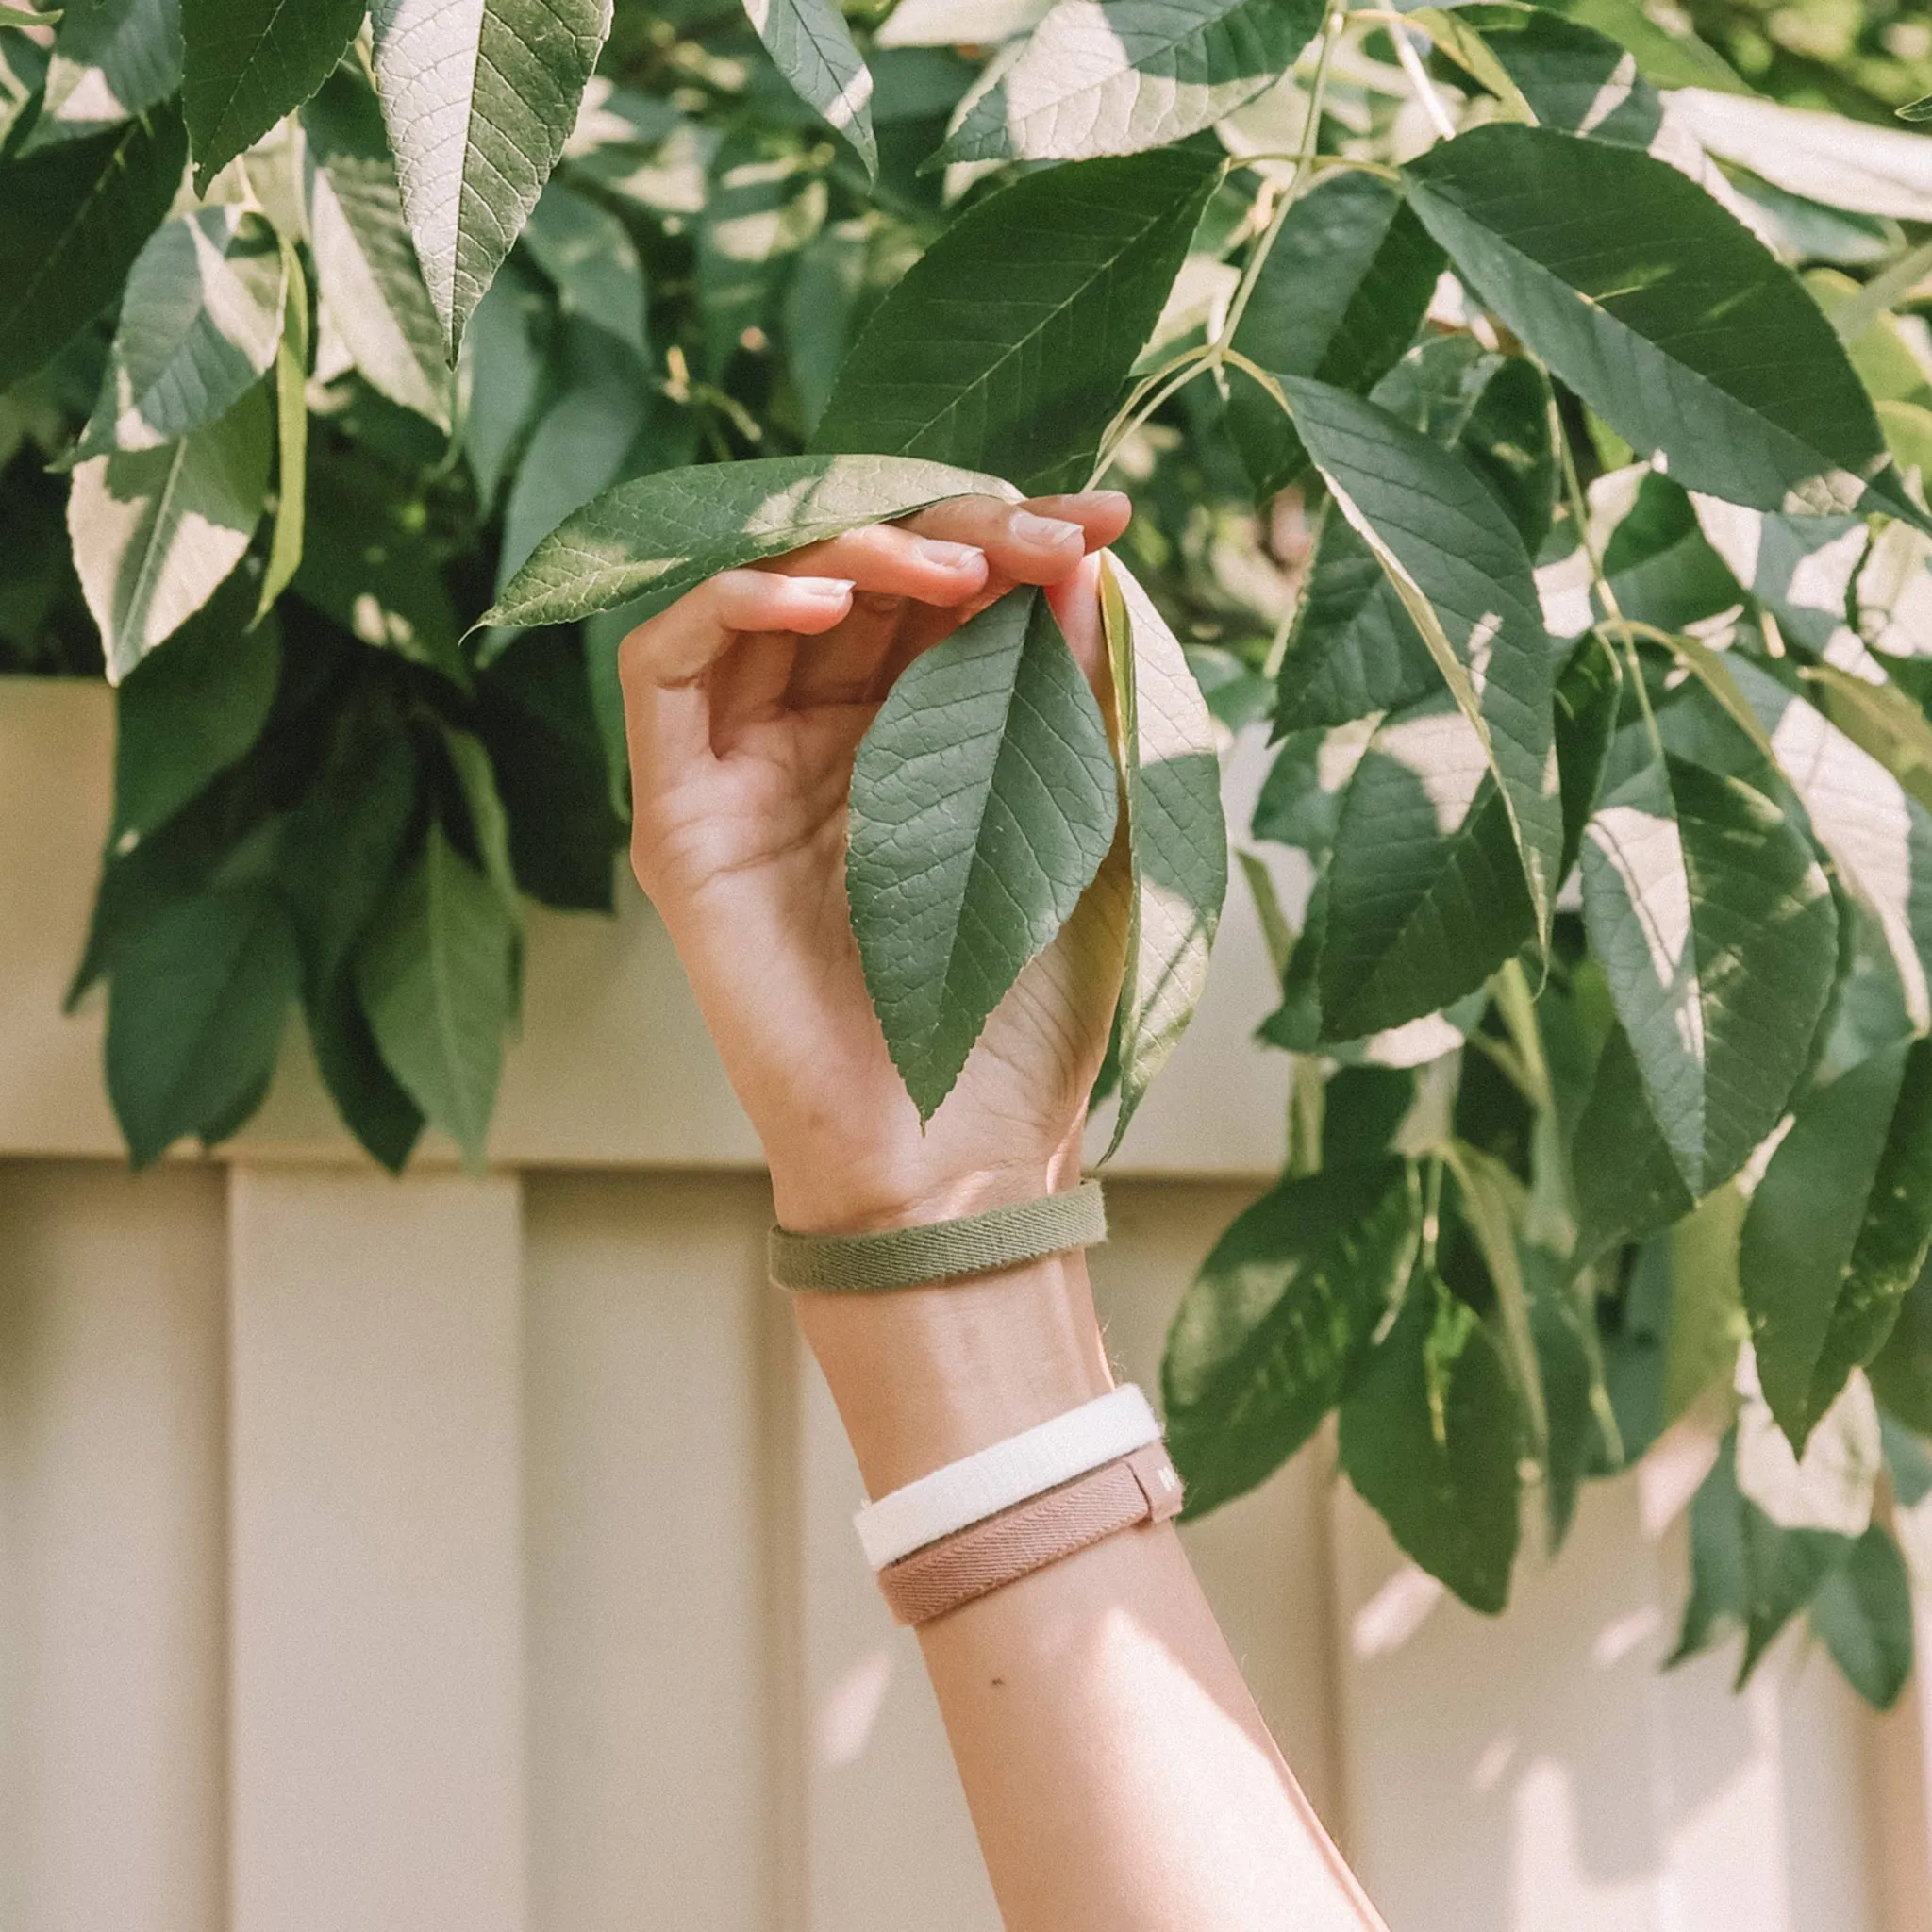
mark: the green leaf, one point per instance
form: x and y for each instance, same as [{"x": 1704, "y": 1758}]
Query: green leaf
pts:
[
  {"x": 480, "y": 102},
  {"x": 1660, "y": 565},
  {"x": 1877, "y": 835},
  {"x": 112, "y": 59},
  {"x": 195, "y": 1017},
  {"x": 368, "y": 563},
  {"x": 502, "y": 374},
  {"x": 1745, "y": 1569},
  {"x": 185, "y": 714},
  {"x": 1006, "y": 345},
  {"x": 1118, "y": 76},
  {"x": 1300, "y": 802},
  {"x": 1838, "y": 1232},
  {"x": 588, "y": 253},
  {"x": 759, "y": 210},
  {"x": 1461, "y": 569},
  {"x": 1177, "y": 836},
  {"x": 248, "y": 62},
  {"x": 814, "y": 51},
  {"x": 1863, "y": 1611},
  {"x": 1340, "y": 297},
  {"x": 487, "y": 824},
  {"x": 1662, "y": 311},
  {"x": 156, "y": 531},
  {"x": 1716, "y": 929},
  {"x": 1425, "y": 894},
  {"x": 1624, "y": 1172},
  {"x": 1273, "y": 1329},
  {"x": 346, "y": 835},
  {"x": 1901, "y": 1373},
  {"x": 72, "y": 222},
  {"x": 534, "y": 713},
  {"x": 435, "y": 974},
  {"x": 199, "y": 324},
  {"x": 372, "y": 291},
  {"x": 292, "y": 438},
  {"x": 1666, "y": 56},
  {"x": 1588, "y": 696},
  {"x": 1575, "y": 80},
  {"x": 23, "y": 73},
  {"x": 370, "y": 1100},
  {"x": 1801, "y": 567},
  {"x": 657, "y": 536},
  {"x": 1827, "y": 158},
  {"x": 1429, "y": 1440},
  {"x": 578, "y": 446},
  {"x": 984, "y": 798},
  {"x": 18, "y": 16}
]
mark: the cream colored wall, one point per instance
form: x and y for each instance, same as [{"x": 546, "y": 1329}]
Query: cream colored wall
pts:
[{"x": 380, "y": 1555}]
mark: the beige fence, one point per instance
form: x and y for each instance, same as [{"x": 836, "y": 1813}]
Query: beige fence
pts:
[{"x": 388, "y": 1557}]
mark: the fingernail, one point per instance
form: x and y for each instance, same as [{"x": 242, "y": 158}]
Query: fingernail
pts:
[
  {"x": 948, "y": 555},
  {"x": 823, "y": 590},
  {"x": 1045, "y": 532}
]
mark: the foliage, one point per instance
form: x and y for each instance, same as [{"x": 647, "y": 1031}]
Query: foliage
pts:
[{"x": 1527, "y": 411}]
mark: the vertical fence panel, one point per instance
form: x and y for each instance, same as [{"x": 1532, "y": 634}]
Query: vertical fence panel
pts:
[
  {"x": 651, "y": 1674},
  {"x": 110, "y": 1549},
  {"x": 377, "y": 1556}
]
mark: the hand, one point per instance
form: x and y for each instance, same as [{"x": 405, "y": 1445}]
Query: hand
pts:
[{"x": 746, "y": 701}]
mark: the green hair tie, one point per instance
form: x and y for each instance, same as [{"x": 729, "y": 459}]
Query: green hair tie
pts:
[{"x": 916, "y": 1256}]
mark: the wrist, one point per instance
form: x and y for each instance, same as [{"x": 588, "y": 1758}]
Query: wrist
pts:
[{"x": 922, "y": 1376}]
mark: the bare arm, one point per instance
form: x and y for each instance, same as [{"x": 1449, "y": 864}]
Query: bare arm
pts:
[{"x": 1118, "y": 1775}]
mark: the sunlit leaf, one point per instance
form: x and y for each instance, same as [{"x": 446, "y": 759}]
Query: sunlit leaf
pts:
[
  {"x": 112, "y": 59},
  {"x": 814, "y": 51}
]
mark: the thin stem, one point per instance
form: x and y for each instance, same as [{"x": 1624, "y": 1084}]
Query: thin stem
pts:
[
  {"x": 1432, "y": 1211},
  {"x": 1851, "y": 318},
  {"x": 1424, "y": 88},
  {"x": 1134, "y": 413},
  {"x": 1304, "y": 156}
]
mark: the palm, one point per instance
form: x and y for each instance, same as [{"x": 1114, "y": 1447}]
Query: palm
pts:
[{"x": 743, "y": 850}]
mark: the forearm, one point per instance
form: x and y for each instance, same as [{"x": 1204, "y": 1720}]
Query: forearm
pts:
[{"x": 1118, "y": 1771}]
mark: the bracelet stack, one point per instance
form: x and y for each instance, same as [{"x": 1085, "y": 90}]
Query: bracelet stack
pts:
[{"x": 994, "y": 1517}]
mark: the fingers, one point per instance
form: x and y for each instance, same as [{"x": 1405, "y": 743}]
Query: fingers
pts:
[
  {"x": 1076, "y": 601},
  {"x": 886, "y": 560},
  {"x": 1037, "y": 542},
  {"x": 661, "y": 663}
]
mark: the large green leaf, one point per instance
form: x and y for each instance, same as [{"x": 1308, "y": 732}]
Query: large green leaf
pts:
[
  {"x": 1465, "y": 578},
  {"x": 370, "y": 289},
  {"x": 72, "y": 222},
  {"x": 502, "y": 375},
  {"x": 199, "y": 324},
  {"x": 195, "y": 1017},
  {"x": 1825, "y": 157},
  {"x": 656, "y": 537},
  {"x": 1273, "y": 1329},
  {"x": 248, "y": 62},
  {"x": 1006, "y": 344},
  {"x": 1425, "y": 895},
  {"x": 1838, "y": 1232},
  {"x": 1878, "y": 836},
  {"x": 1340, "y": 297},
  {"x": 1575, "y": 80},
  {"x": 112, "y": 59},
  {"x": 370, "y": 1099},
  {"x": 1429, "y": 1440},
  {"x": 156, "y": 531},
  {"x": 1177, "y": 836},
  {"x": 437, "y": 979},
  {"x": 1863, "y": 1611},
  {"x": 590, "y": 256},
  {"x": 1354, "y": 649},
  {"x": 983, "y": 802},
  {"x": 1716, "y": 933},
  {"x": 1901, "y": 1373},
  {"x": 1745, "y": 1569},
  {"x": 1623, "y": 1173},
  {"x": 814, "y": 51},
  {"x": 479, "y": 101},
  {"x": 186, "y": 714},
  {"x": 1116, "y": 76},
  {"x": 1663, "y": 312},
  {"x": 578, "y": 445}
]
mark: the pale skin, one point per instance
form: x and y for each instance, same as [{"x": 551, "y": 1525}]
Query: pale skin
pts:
[{"x": 1119, "y": 1776}]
